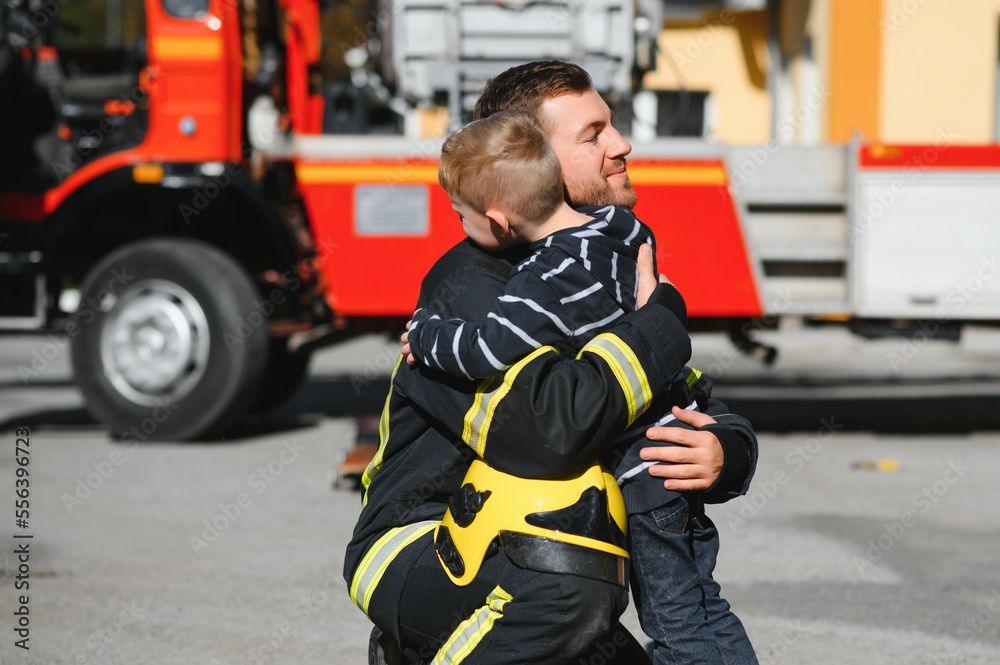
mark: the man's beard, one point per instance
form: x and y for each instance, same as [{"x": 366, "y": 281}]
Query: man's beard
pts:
[{"x": 602, "y": 193}]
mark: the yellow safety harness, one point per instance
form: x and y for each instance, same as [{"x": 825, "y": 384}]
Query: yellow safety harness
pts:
[{"x": 574, "y": 525}]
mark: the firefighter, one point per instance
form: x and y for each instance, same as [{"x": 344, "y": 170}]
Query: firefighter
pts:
[{"x": 498, "y": 591}]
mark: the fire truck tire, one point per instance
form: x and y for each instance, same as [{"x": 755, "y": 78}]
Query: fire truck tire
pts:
[
  {"x": 169, "y": 345},
  {"x": 284, "y": 374}
]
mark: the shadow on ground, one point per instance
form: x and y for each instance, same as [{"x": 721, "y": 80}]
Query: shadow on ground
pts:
[
  {"x": 866, "y": 406},
  {"x": 801, "y": 408},
  {"x": 940, "y": 415},
  {"x": 880, "y": 409}
]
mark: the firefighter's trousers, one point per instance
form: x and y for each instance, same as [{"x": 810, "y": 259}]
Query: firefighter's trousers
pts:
[{"x": 508, "y": 615}]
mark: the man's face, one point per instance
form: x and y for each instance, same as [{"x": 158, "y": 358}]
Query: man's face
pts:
[{"x": 591, "y": 152}]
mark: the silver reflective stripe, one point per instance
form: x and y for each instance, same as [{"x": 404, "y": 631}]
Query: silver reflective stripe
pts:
[
  {"x": 489, "y": 394},
  {"x": 634, "y": 471},
  {"x": 474, "y": 433},
  {"x": 378, "y": 558},
  {"x": 626, "y": 368}
]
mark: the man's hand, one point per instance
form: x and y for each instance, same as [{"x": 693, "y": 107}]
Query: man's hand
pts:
[
  {"x": 695, "y": 462},
  {"x": 405, "y": 339},
  {"x": 647, "y": 277}
]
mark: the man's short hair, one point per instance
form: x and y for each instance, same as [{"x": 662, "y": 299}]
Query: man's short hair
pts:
[
  {"x": 503, "y": 160},
  {"x": 526, "y": 87}
]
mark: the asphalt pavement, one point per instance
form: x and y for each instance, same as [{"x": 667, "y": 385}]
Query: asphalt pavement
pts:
[{"x": 865, "y": 538}]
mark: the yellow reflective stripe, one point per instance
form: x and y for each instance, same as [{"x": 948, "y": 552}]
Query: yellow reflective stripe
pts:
[
  {"x": 677, "y": 174},
  {"x": 627, "y": 370},
  {"x": 378, "y": 558},
  {"x": 383, "y": 437},
  {"x": 480, "y": 416},
  {"x": 393, "y": 172},
  {"x": 471, "y": 632},
  {"x": 692, "y": 377},
  {"x": 473, "y": 418}
]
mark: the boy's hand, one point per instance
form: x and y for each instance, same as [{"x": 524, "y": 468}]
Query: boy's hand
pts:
[
  {"x": 647, "y": 277},
  {"x": 405, "y": 339},
  {"x": 694, "y": 462}
]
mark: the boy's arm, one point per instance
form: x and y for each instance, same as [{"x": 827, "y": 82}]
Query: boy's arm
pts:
[
  {"x": 549, "y": 415},
  {"x": 527, "y": 316}
]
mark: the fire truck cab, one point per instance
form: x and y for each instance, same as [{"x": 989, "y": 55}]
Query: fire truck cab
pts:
[{"x": 134, "y": 218}]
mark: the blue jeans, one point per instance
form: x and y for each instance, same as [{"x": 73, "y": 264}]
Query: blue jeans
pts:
[{"x": 674, "y": 549}]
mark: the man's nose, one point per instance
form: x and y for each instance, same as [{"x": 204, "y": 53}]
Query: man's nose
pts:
[{"x": 618, "y": 146}]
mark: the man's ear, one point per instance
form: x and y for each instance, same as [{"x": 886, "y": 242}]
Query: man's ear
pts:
[{"x": 500, "y": 221}]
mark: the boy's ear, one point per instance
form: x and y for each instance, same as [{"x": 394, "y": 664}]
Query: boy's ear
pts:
[{"x": 499, "y": 219}]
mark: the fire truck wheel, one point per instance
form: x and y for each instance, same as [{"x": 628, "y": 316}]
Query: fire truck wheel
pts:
[
  {"x": 284, "y": 374},
  {"x": 169, "y": 345}
]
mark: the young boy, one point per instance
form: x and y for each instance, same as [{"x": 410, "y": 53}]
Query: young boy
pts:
[{"x": 506, "y": 185}]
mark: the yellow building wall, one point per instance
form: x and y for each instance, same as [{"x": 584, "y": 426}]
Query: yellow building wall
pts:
[
  {"x": 939, "y": 70},
  {"x": 726, "y": 55},
  {"x": 900, "y": 71}
]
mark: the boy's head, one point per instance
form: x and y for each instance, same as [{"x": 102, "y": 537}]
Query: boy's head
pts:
[{"x": 500, "y": 171}]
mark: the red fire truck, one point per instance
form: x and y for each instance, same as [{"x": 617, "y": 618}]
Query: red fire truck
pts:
[{"x": 199, "y": 193}]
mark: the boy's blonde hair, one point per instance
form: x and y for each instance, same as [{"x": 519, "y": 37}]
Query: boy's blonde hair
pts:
[{"x": 503, "y": 160}]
